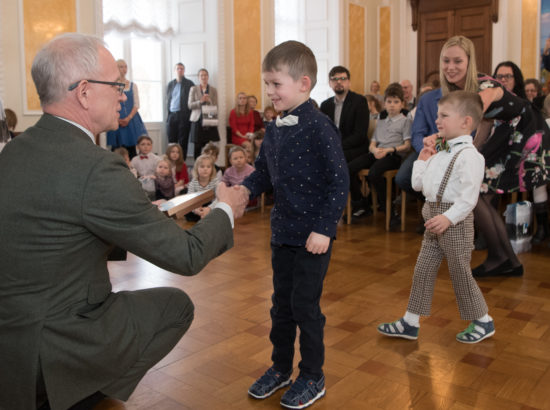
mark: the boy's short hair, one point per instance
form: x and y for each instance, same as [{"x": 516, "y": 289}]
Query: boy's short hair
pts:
[
  {"x": 394, "y": 90},
  {"x": 338, "y": 69},
  {"x": 298, "y": 57},
  {"x": 466, "y": 103},
  {"x": 144, "y": 137},
  {"x": 211, "y": 147}
]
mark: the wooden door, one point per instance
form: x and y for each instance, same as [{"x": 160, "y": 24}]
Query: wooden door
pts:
[{"x": 438, "y": 21}]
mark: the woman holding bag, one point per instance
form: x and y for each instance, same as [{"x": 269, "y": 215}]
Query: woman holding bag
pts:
[{"x": 202, "y": 97}]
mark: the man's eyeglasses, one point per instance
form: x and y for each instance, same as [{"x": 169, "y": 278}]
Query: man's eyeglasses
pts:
[
  {"x": 504, "y": 76},
  {"x": 120, "y": 86},
  {"x": 335, "y": 79}
]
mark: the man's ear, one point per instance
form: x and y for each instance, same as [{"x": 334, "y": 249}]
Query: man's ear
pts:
[
  {"x": 305, "y": 83},
  {"x": 83, "y": 94}
]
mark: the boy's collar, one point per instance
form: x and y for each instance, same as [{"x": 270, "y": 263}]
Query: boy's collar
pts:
[{"x": 299, "y": 109}]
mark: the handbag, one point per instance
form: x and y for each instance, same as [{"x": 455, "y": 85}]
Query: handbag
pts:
[{"x": 209, "y": 115}]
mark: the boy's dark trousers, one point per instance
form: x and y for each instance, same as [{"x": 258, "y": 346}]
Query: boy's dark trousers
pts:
[{"x": 298, "y": 283}]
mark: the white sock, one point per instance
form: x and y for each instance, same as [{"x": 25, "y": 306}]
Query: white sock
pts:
[
  {"x": 412, "y": 319},
  {"x": 485, "y": 318}
]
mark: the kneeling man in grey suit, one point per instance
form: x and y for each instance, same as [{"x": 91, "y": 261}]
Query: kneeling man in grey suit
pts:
[{"x": 65, "y": 338}]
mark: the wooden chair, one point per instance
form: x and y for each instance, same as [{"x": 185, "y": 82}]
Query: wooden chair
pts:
[{"x": 389, "y": 176}]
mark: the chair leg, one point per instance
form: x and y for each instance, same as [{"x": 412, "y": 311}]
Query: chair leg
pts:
[
  {"x": 403, "y": 209},
  {"x": 262, "y": 202},
  {"x": 388, "y": 202},
  {"x": 348, "y": 210}
]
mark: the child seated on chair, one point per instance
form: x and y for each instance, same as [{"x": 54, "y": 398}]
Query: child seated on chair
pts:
[
  {"x": 204, "y": 178},
  {"x": 390, "y": 143},
  {"x": 145, "y": 164},
  {"x": 450, "y": 180}
]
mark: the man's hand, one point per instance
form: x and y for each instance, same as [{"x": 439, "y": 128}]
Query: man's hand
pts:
[
  {"x": 235, "y": 197},
  {"x": 438, "y": 224},
  {"x": 317, "y": 243},
  {"x": 379, "y": 153},
  {"x": 202, "y": 211},
  {"x": 426, "y": 153}
]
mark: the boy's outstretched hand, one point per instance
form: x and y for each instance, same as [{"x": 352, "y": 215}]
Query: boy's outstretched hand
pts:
[
  {"x": 317, "y": 243},
  {"x": 426, "y": 153},
  {"x": 234, "y": 197},
  {"x": 438, "y": 224}
]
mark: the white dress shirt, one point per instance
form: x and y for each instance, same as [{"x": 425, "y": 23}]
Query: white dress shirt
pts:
[{"x": 465, "y": 180}]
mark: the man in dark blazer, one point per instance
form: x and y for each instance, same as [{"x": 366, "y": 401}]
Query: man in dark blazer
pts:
[
  {"x": 178, "y": 124},
  {"x": 350, "y": 113},
  {"x": 65, "y": 338}
]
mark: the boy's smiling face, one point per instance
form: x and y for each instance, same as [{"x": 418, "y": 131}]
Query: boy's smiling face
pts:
[{"x": 286, "y": 93}]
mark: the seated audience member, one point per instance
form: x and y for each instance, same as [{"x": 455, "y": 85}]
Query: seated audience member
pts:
[
  {"x": 258, "y": 122},
  {"x": 410, "y": 100},
  {"x": 269, "y": 115},
  {"x": 375, "y": 91},
  {"x": 145, "y": 164},
  {"x": 349, "y": 112},
  {"x": 533, "y": 92},
  {"x": 239, "y": 169},
  {"x": 214, "y": 151},
  {"x": 384, "y": 113},
  {"x": 249, "y": 151},
  {"x": 241, "y": 120},
  {"x": 204, "y": 178},
  {"x": 11, "y": 121},
  {"x": 390, "y": 143},
  {"x": 257, "y": 140},
  {"x": 164, "y": 181},
  {"x": 123, "y": 152},
  {"x": 374, "y": 106},
  {"x": 174, "y": 154}
]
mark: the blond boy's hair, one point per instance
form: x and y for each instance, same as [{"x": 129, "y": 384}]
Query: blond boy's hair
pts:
[
  {"x": 298, "y": 57},
  {"x": 466, "y": 103}
]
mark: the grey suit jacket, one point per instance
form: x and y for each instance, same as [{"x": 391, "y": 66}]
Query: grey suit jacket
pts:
[{"x": 63, "y": 202}]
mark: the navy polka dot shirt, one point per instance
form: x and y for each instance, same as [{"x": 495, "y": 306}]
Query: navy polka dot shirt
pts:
[{"x": 305, "y": 166}]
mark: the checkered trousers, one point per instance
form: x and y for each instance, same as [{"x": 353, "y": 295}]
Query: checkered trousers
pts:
[{"x": 456, "y": 245}]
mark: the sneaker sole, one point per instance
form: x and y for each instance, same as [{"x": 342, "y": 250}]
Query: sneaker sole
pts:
[
  {"x": 309, "y": 403},
  {"x": 471, "y": 342},
  {"x": 402, "y": 336},
  {"x": 269, "y": 393}
]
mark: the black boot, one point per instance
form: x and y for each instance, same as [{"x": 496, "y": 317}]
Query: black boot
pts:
[{"x": 541, "y": 213}]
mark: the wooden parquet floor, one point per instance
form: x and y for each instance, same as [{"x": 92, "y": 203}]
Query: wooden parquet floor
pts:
[{"x": 368, "y": 282}]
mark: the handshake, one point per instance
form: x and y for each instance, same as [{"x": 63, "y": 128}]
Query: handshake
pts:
[{"x": 236, "y": 197}]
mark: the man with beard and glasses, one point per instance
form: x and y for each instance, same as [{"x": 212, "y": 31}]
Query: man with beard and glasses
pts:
[{"x": 350, "y": 113}]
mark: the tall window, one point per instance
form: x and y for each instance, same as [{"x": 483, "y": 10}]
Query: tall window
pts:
[
  {"x": 136, "y": 31},
  {"x": 144, "y": 59},
  {"x": 314, "y": 23}
]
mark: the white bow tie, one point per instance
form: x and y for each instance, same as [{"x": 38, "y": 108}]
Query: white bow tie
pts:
[{"x": 287, "y": 120}]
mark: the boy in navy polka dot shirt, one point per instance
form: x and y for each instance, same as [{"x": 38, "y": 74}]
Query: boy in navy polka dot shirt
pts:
[{"x": 301, "y": 159}]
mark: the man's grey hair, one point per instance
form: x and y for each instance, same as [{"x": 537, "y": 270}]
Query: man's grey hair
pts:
[{"x": 66, "y": 59}]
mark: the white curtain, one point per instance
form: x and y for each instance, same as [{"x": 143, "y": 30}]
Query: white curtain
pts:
[{"x": 145, "y": 17}]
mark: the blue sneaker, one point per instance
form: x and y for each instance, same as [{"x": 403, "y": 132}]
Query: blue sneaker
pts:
[
  {"x": 303, "y": 393},
  {"x": 269, "y": 383}
]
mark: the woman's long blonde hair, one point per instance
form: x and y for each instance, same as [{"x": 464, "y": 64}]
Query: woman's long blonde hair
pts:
[{"x": 471, "y": 83}]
